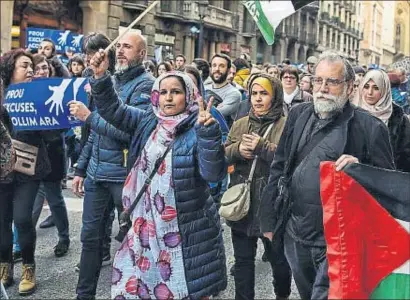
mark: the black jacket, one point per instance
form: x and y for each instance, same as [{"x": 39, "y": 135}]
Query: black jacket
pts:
[
  {"x": 399, "y": 129},
  {"x": 34, "y": 138},
  {"x": 358, "y": 134}
]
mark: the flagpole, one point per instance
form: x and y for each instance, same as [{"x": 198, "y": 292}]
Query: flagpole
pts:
[{"x": 114, "y": 42}]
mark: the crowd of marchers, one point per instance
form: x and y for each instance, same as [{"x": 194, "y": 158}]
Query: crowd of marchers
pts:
[{"x": 162, "y": 143}]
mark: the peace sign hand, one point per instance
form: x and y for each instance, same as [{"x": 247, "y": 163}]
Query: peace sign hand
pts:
[{"x": 204, "y": 116}]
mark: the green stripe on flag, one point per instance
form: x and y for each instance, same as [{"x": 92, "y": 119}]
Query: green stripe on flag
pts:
[
  {"x": 397, "y": 284},
  {"x": 255, "y": 9},
  {"x": 394, "y": 286}
]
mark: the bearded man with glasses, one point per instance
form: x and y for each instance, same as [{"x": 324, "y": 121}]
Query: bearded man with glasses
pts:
[{"x": 329, "y": 129}]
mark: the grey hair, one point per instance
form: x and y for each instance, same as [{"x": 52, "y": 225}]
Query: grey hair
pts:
[{"x": 331, "y": 56}]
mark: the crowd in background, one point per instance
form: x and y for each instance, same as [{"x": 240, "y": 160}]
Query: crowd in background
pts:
[{"x": 231, "y": 112}]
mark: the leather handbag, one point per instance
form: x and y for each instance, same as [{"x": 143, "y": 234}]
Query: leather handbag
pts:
[
  {"x": 236, "y": 200},
  {"x": 26, "y": 158}
]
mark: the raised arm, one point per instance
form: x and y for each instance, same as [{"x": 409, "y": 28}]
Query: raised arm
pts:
[{"x": 211, "y": 154}]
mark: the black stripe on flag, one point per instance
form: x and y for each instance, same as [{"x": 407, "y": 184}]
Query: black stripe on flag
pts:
[{"x": 298, "y": 4}]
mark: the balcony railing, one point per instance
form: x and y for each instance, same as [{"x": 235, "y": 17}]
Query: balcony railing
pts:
[
  {"x": 136, "y": 4},
  {"x": 219, "y": 16},
  {"x": 216, "y": 16}
]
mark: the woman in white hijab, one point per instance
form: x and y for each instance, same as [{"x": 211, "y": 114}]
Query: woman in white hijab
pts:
[{"x": 375, "y": 96}]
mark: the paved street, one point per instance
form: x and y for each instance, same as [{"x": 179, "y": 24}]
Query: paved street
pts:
[{"x": 57, "y": 279}]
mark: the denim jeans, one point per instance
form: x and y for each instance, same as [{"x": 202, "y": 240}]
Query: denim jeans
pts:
[
  {"x": 244, "y": 248},
  {"x": 95, "y": 216},
  {"x": 52, "y": 191},
  {"x": 309, "y": 267}
]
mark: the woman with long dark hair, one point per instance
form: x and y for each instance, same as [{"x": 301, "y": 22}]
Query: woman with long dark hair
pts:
[{"x": 17, "y": 195}]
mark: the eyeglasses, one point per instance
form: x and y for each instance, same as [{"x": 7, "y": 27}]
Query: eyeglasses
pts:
[
  {"x": 355, "y": 86},
  {"x": 332, "y": 82},
  {"x": 289, "y": 77}
]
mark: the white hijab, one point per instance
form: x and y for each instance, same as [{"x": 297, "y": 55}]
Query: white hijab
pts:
[{"x": 384, "y": 107}]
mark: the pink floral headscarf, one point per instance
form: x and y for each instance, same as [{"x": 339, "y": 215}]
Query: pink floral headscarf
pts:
[{"x": 169, "y": 123}]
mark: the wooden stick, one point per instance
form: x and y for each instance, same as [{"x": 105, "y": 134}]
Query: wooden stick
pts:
[{"x": 131, "y": 25}]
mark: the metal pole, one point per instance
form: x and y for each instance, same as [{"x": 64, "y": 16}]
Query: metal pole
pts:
[{"x": 201, "y": 37}]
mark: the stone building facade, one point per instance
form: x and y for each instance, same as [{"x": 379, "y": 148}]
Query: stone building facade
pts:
[
  {"x": 371, "y": 47},
  {"x": 341, "y": 28}
]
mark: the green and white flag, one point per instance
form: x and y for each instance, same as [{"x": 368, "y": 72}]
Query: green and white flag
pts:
[{"x": 269, "y": 13}]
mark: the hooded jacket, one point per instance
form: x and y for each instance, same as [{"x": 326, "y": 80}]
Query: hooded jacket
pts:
[
  {"x": 242, "y": 76},
  {"x": 265, "y": 150},
  {"x": 102, "y": 157}
]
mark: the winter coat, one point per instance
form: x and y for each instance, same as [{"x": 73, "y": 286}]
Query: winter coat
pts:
[
  {"x": 7, "y": 152},
  {"x": 197, "y": 157},
  {"x": 242, "y": 167},
  {"x": 103, "y": 157},
  {"x": 399, "y": 129},
  {"x": 358, "y": 134},
  {"x": 241, "y": 77},
  {"x": 55, "y": 144},
  {"x": 34, "y": 138}
]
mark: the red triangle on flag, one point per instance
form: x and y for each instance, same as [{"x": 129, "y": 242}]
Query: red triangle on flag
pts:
[{"x": 364, "y": 242}]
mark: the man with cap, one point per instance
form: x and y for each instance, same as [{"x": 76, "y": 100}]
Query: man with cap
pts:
[{"x": 311, "y": 62}]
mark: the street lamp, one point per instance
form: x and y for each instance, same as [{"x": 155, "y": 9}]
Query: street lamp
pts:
[{"x": 203, "y": 10}]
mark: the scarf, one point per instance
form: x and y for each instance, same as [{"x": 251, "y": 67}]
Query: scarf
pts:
[
  {"x": 264, "y": 83},
  {"x": 384, "y": 107},
  {"x": 169, "y": 124},
  {"x": 276, "y": 111},
  {"x": 288, "y": 98}
]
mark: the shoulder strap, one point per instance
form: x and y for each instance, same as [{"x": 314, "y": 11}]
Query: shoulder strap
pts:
[
  {"x": 149, "y": 179},
  {"x": 256, "y": 157}
]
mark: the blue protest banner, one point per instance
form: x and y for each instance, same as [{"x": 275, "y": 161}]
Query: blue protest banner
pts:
[
  {"x": 42, "y": 104},
  {"x": 61, "y": 38}
]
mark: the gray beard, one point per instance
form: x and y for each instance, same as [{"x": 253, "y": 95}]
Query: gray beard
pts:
[
  {"x": 331, "y": 106},
  {"x": 123, "y": 68}
]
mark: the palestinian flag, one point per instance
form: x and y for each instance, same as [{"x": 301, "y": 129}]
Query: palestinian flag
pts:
[
  {"x": 366, "y": 215},
  {"x": 269, "y": 13}
]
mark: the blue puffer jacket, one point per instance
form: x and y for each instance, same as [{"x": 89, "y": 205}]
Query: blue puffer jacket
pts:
[
  {"x": 102, "y": 157},
  {"x": 197, "y": 157}
]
